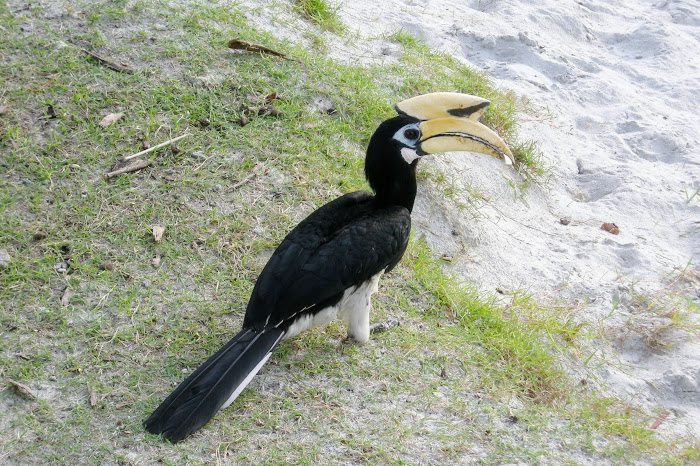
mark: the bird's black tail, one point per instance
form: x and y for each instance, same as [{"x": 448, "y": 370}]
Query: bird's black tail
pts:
[{"x": 215, "y": 384}]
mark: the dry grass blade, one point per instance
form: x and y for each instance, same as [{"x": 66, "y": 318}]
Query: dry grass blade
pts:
[{"x": 151, "y": 149}]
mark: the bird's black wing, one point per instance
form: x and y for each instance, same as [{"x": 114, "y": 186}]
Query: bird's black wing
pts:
[
  {"x": 342, "y": 244},
  {"x": 335, "y": 248}
]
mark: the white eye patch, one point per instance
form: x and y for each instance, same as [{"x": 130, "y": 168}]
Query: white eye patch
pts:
[{"x": 408, "y": 135}]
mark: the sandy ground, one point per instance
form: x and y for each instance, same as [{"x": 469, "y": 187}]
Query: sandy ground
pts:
[
  {"x": 613, "y": 88},
  {"x": 614, "y": 91}
]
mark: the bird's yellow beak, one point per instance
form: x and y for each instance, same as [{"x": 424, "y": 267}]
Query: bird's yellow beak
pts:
[
  {"x": 460, "y": 134},
  {"x": 450, "y": 123}
]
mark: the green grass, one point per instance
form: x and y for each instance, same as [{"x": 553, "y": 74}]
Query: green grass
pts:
[
  {"x": 442, "y": 387},
  {"x": 322, "y": 13}
]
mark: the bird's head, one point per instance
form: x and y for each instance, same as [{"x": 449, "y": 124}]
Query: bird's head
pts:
[{"x": 428, "y": 124}]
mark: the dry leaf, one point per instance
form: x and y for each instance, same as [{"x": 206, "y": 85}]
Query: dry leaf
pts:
[
  {"x": 156, "y": 259},
  {"x": 23, "y": 389},
  {"x": 4, "y": 109},
  {"x": 39, "y": 235},
  {"x": 610, "y": 228},
  {"x": 93, "y": 396},
  {"x": 158, "y": 233},
  {"x": 67, "y": 295},
  {"x": 110, "y": 119}
]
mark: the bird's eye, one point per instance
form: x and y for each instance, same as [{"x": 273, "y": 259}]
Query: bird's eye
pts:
[{"x": 411, "y": 134}]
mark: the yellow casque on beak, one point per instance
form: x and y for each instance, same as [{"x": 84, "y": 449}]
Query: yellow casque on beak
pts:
[
  {"x": 443, "y": 104},
  {"x": 462, "y": 134},
  {"x": 450, "y": 123}
]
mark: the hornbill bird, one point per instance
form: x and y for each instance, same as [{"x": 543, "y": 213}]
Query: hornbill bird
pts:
[{"x": 329, "y": 265}]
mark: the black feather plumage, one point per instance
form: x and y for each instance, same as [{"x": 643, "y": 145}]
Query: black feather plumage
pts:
[{"x": 337, "y": 248}]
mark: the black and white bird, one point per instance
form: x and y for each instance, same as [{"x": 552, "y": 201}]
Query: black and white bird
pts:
[{"x": 329, "y": 265}]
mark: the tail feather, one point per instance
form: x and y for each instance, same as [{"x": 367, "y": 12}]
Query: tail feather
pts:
[{"x": 214, "y": 385}]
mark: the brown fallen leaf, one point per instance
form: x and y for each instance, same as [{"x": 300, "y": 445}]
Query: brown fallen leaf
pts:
[
  {"x": 156, "y": 259},
  {"x": 271, "y": 97},
  {"x": 93, "y": 396},
  {"x": 250, "y": 47},
  {"x": 110, "y": 119},
  {"x": 269, "y": 110},
  {"x": 39, "y": 235},
  {"x": 67, "y": 295},
  {"x": 4, "y": 109},
  {"x": 610, "y": 228},
  {"x": 22, "y": 389},
  {"x": 158, "y": 233},
  {"x": 236, "y": 44}
]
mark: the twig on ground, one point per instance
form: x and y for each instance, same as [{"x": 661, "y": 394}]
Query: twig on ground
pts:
[
  {"x": 107, "y": 63},
  {"x": 659, "y": 420},
  {"x": 256, "y": 48},
  {"x": 151, "y": 149},
  {"x": 138, "y": 165},
  {"x": 253, "y": 174}
]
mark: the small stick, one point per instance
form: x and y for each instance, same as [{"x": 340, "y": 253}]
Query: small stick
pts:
[
  {"x": 138, "y": 165},
  {"x": 151, "y": 149},
  {"x": 21, "y": 388},
  {"x": 107, "y": 63},
  {"x": 256, "y": 48},
  {"x": 659, "y": 420},
  {"x": 256, "y": 168}
]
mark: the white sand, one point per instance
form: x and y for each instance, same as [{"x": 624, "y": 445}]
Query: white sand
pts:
[{"x": 615, "y": 87}]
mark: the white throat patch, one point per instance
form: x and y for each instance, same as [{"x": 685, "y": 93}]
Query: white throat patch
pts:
[{"x": 409, "y": 155}]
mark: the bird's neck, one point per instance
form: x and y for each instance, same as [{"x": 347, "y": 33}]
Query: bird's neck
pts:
[{"x": 399, "y": 189}]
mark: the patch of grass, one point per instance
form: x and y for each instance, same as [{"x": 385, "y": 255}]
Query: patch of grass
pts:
[
  {"x": 322, "y": 13},
  {"x": 405, "y": 38},
  {"x": 513, "y": 355}
]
